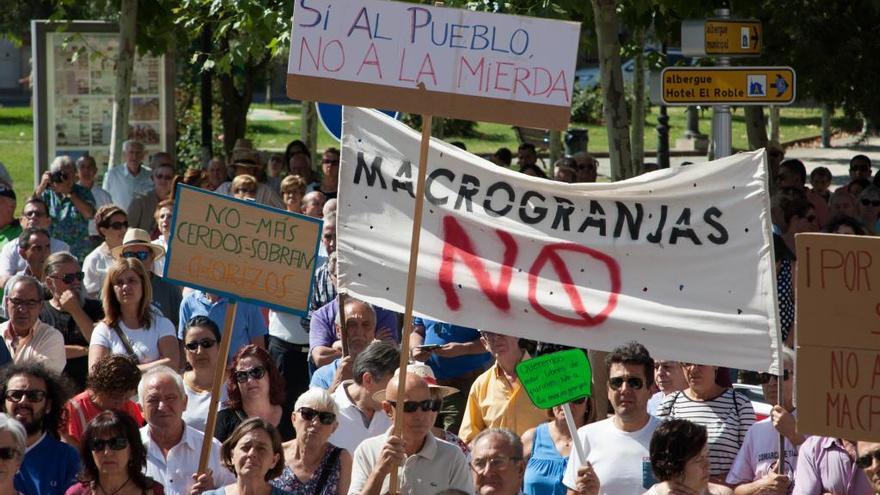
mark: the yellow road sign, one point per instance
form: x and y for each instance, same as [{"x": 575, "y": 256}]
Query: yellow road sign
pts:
[
  {"x": 727, "y": 86},
  {"x": 721, "y": 37}
]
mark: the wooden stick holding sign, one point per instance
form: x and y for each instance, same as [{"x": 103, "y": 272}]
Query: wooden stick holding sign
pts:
[
  {"x": 343, "y": 331},
  {"x": 219, "y": 371},
  {"x": 411, "y": 284}
]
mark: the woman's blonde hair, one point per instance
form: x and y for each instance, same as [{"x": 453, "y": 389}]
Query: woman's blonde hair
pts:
[
  {"x": 293, "y": 183},
  {"x": 244, "y": 181},
  {"x": 112, "y": 307}
]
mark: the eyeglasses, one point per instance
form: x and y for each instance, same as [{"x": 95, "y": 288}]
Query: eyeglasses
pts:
[
  {"x": 31, "y": 395},
  {"x": 632, "y": 382},
  {"x": 7, "y": 453},
  {"x": 866, "y": 460},
  {"x": 766, "y": 377},
  {"x": 868, "y": 202},
  {"x": 34, "y": 214},
  {"x": 497, "y": 462},
  {"x": 426, "y": 405},
  {"x": 257, "y": 373},
  {"x": 141, "y": 255},
  {"x": 324, "y": 417},
  {"x": 24, "y": 303},
  {"x": 204, "y": 344},
  {"x": 115, "y": 443},
  {"x": 117, "y": 225},
  {"x": 70, "y": 277}
]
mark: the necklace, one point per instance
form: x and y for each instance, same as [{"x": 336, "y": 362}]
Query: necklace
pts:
[{"x": 114, "y": 491}]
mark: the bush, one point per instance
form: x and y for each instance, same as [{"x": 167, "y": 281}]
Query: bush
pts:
[{"x": 451, "y": 127}]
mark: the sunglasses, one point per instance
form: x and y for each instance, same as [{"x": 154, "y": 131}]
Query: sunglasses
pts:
[
  {"x": 426, "y": 405},
  {"x": 117, "y": 225},
  {"x": 70, "y": 277},
  {"x": 324, "y": 417},
  {"x": 331, "y": 162},
  {"x": 7, "y": 453},
  {"x": 141, "y": 255},
  {"x": 115, "y": 443},
  {"x": 257, "y": 373},
  {"x": 30, "y": 395},
  {"x": 868, "y": 202},
  {"x": 866, "y": 460},
  {"x": 632, "y": 382},
  {"x": 204, "y": 344},
  {"x": 765, "y": 378}
]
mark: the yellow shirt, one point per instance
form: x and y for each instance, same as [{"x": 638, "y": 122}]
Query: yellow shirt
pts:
[{"x": 494, "y": 403}]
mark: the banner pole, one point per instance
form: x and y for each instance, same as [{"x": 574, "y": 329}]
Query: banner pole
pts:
[
  {"x": 219, "y": 371},
  {"x": 411, "y": 284},
  {"x": 343, "y": 331},
  {"x": 572, "y": 430}
]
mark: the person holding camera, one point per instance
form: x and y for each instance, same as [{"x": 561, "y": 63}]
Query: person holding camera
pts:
[{"x": 70, "y": 205}]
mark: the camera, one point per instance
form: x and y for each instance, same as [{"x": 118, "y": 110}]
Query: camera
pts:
[{"x": 57, "y": 177}]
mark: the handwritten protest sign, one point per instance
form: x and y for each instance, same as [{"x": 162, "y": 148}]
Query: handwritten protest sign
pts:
[
  {"x": 584, "y": 265},
  {"x": 474, "y": 65},
  {"x": 554, "y": 379},
  {"x": 242, "y": 249},
  {"x": 838, "y": 336}
]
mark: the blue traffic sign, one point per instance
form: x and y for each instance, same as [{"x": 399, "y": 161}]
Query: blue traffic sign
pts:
[{"x": 330, "y": 115}]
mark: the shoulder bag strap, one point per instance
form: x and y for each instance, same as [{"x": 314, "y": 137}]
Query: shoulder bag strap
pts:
[
  {"x": 125, "y": 342},
  {"x": 329, "y": 467}
]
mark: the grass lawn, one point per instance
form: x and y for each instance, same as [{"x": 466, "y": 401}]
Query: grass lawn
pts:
[{"x": 16, "y": 135}]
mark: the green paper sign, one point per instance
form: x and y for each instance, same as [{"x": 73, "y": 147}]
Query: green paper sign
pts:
[{"x": 554, "y": 379}]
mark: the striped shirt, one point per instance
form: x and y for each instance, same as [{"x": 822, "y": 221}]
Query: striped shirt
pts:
[{"x": 727, "y": 418}]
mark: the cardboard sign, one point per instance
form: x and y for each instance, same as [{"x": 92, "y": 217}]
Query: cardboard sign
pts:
[
  {"x": 583, "y": 265},
  {"x": 721, "y": 37},
  {"x": 242, "y": 250},
  {"x": 554, "y": 379},
  {"x": 733, "y": 85},
  {"x": 838, "y": 336},
  {"x": 473, "y": 65}
]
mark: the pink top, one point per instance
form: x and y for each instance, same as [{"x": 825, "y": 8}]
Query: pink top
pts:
[{"x": 824, "y": 466}]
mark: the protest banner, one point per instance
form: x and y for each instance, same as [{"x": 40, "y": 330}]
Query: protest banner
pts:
[
  {"x": 838, "y": 336},
  {"x": 244, "y": 251},
  {"x": 679, "y": 259},
  {"x": 474, "y": 65}
]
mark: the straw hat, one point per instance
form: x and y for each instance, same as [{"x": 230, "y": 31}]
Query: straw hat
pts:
[
  {"x": 246, "y": 158},
  {"x": 138, "y": 237},
  {"x": 427, "y": 374}
]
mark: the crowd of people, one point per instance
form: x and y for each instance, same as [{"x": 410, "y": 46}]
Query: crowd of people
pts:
[{"x": 107, "y": 368}]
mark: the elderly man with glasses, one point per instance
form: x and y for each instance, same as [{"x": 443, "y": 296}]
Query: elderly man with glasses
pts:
[
  {"x": 497, "y": 462},
  {"x": 28, "y": 339},
  {"x": 34, "y": 214}
]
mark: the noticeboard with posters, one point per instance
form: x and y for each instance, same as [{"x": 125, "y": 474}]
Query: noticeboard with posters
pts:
[{"x": 74, "y": 79}]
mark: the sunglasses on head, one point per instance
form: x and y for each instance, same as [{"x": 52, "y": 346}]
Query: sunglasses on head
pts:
[
  {"x": 141, "y": 255},
  {"x": 30, "y": 395},
  {"x": 70, "y": 277},
  {"x": 7, "y": 453},
  {"x": 257, "y": 372},
  {"x": 118, "y": 225},
  {"x": 324, "y": 417},
  {"x": 632, "y": 382},
  {"x": 766, "y": 377},
  {"x": 426, "y": 405},
  {"x": 866, "y": 460},
  {"x": 204, "y": 344},
  {"x": 869, "y": 202},
  {"x": 115, "y": 443}
]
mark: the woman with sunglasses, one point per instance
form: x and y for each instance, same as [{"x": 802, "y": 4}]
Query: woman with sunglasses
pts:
[
  {"x": 244, "y": 187},
  {"x": 114, "y": 458},
  {"x": 111, "y": 222},
  {"x": 201, "y": 344},
  {"x": 547, "y": 446},
  {"x": 314, "y": 466},
  {"x": 255, "y": 389},
  {"x": 711, "y": 401},
  {"x": 131, "y": 325},
  {"x": 12, "y": 447}
]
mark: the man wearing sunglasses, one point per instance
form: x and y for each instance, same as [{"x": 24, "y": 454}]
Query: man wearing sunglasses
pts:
[
  {"x": 618, "y": 458},
  {"x": 753, "y": 471},
  {"x": 34, "y": 215},
  {"x": 425, "y": 465},
  {"x": 167, "y": 297},
  {"x": 869, "y": 461},
  {"x": 35, "y": 397},
  {"x": 173, "y": 447}
]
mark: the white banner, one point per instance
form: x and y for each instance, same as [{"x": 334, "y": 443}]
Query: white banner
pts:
[{"x": 680, "y": 260}]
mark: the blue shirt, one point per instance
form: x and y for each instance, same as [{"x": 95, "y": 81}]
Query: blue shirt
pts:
[
  {"x": 323, "y": 376},
  {"x": 68, "y": 224},
  {"x": 49, "y": 468},
  {"x": 249, "y": 322},
  {"x": 437, "y": 332}
]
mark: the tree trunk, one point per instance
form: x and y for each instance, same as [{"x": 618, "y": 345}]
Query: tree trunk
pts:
[
  {"x": 437, "y": 130},
  {"x": 616, "y": 119},
  {"x": 556, "y": 151},
  {"x": 827, "y": 113},
  {"x": 638, "y": 109},
  {"x": 308, "y": 131},
  {"x": 756, "y": 127},
  {"x": 206, "y": 90},
  {"x": 774, "y": 123},
  {"x": 124, "y": 69},
  {"x": 235, "y": 101}
]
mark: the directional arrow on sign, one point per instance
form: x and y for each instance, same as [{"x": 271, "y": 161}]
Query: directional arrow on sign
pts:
[
  {"x": 754, "y": 37},
  {"x": 780, "y": 85}
]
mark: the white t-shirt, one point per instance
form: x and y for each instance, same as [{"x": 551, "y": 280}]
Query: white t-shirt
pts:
[
  {"x": 759, "y": 452},
  {"x": 621, "y": 459},
  {"x": 95, "y": 267},
  {"x": 197, "y": 404},
  {"x": 352, "y": 430},
  {"x": 144, "y": 342}
]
